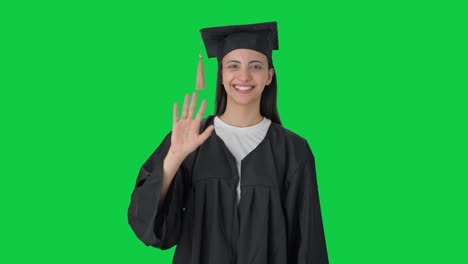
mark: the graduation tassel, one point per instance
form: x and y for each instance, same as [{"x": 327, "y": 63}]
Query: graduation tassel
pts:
[
  {"x": 200, "y": 85},
  {"x": 200, "y": 75}
]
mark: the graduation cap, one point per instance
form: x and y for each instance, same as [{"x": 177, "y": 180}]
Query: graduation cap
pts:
[{"x": 219, "y": 41}]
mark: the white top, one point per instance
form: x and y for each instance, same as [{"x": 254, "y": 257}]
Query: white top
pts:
[{"x": 241, "y": 140}]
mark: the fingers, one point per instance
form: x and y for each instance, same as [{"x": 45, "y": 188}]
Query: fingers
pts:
[
  {"x": 175, "y": 113},
  {"x": 188, "y": 110},
  {"x": 193, "y": 102},
  {"x": 206, "y": 133},
  {"x": 201, "y": 111},
  {"x": 185, "y": 107}
]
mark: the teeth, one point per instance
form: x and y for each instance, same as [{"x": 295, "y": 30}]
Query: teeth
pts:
[{"x": 243, "y": 88}]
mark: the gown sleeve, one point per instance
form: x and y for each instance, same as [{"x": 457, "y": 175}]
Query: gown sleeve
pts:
[
  {"x": 306, "y": 238},
  {"x": 157, "y": 224}
]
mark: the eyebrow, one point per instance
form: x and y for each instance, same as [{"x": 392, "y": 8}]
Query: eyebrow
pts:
[{"x": 253, "y": 61}]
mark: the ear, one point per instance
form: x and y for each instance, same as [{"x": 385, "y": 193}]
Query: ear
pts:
[{"x": 271, "y": 72}]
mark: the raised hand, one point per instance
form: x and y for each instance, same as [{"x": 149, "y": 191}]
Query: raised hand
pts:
[{"x": 185, "y": 136}]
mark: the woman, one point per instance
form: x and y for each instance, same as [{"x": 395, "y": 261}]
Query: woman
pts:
[{"x": 235, "y": 187}]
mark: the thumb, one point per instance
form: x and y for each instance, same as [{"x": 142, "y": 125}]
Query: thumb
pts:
[{"x": 206, "y": 133}]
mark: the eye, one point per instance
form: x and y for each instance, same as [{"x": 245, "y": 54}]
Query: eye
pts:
[
  {"x": 232, "y": 66},
  {"x": 257, "y": 67}
]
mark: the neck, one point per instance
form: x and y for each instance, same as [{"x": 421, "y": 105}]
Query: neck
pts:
[{"x": 241, "y": 116}]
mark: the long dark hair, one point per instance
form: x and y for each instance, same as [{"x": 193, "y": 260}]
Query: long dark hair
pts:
[{"x": 268, "y": 106}]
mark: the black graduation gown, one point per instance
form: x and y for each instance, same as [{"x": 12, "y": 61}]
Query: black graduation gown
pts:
[{"x": 278, "y": 219}]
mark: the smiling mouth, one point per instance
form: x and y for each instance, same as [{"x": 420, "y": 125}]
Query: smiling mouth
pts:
[{"x": 243, "y": 87}]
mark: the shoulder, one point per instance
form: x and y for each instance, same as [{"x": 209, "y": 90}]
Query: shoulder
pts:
[
  {"x": 281, "y": 131},
  {"x": 296, "y": 146}
]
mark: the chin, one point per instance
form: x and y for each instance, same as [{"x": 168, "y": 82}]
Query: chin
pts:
[{"x": 245, "y": 101}]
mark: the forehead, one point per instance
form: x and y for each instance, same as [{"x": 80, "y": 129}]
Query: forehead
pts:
[{"x": 245, "y": 55}]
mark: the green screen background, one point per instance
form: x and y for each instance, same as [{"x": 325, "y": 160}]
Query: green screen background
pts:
[{"x": 378, "y": 88}]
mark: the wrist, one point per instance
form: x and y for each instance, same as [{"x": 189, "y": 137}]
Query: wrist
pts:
[{"x": 176, "y": 157}]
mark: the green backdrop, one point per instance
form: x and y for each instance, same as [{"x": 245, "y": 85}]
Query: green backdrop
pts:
[{"x": 378, "y": 88}]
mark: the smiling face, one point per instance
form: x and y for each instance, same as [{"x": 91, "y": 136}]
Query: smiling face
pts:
[{"x": 245, "y": 73}]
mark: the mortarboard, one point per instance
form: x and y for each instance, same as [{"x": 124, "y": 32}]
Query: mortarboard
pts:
[{"x": 219, "y": 41}]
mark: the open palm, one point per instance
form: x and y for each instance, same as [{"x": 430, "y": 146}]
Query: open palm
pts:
[{"x": 185, "y": 136}]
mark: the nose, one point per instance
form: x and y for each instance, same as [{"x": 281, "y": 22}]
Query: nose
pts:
[{"x": 244, "y": 74}]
